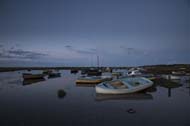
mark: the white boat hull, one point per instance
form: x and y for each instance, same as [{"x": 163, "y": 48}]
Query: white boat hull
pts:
[
  {"x": 103, "y": 90},
  {"x": 171, "y": 77}
]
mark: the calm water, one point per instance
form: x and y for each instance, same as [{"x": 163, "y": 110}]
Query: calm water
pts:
[{"x": 41, "y": 103}]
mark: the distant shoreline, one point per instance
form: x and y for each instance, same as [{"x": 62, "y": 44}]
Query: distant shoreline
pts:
[{"x": 151, "y": 68}]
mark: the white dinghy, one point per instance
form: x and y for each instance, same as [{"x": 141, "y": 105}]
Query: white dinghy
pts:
[
  {"x": 124, "y": 85},
  {"x": 171, "y": 77}
]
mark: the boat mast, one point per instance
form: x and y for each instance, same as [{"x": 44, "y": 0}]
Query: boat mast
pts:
[{"x": 97, "y": 61}]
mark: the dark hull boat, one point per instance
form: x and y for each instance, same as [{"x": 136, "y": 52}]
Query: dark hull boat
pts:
[
  {"x": 74, "y": 71},
  {"x": 54, "y": 75},
  {"x": 94, "y": 72},
  {"x": 33, "y": 76},
  {"x": 93, "y": 79},
  {"x": 47, "y": 72}
]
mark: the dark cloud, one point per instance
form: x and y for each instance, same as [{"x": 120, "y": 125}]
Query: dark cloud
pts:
[
  {"x": 93, "y": 49},
  {"x": 68, "y": 46},
  {"x": 2, "y": 55},
  {"x": 85, "y": 52},
  {"x": 135, "y": 51},
  {"x": 20, "y": 54},
  {"x": 26, "y": 54},
  {"x": 12, "y": 47},
  {"x": 128, "y": 50},
  {"x": 17, "y": 45},
  {"x": 81, "y": 51}
]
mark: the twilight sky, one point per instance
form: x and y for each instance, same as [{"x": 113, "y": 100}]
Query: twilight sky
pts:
[{"x": 74, "y": 32}]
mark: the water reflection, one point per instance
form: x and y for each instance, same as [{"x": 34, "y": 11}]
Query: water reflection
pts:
[
  {"x": 85, "y": 85},
  {"x": 188, "y": 85},
  {"x": 151, "y": 89},
  {"x": 63, "y": 101},
  {"x": 169, "y": 84},
  {"x": 32, "y": 81},
  {"x": 133, "y": 96}
]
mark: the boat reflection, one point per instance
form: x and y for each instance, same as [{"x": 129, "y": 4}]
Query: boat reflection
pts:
[
  {"x": 151, "y": 89},
  {"x": 188, "y": 82},
  {"x": 31, "y": 81},
  {"x": 133, "y": 96},
  {"x": 85, "y": 85},
  {"x": 168, "y": 84}
]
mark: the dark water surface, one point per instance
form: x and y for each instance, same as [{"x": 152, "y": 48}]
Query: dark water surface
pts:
[{"x": 44, "y": 103}]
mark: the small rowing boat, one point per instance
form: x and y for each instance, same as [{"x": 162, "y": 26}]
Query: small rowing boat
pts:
[{"x": 124, "y": 85}]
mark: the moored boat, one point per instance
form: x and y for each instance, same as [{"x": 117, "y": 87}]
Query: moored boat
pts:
[
  {"x": 134, "y": 73},
  {"x": 187, "y": 74},
  {"x": 33, "y": 76},
  {"x": 124, "y": 85},
  {"x": 178, "y": 72},
  {"x": 117, "y": 73},
  {"x": 54, "y": 75},
  {"x": 92, "y": 79},
  {"x": 74, "y": 71},
  {"x": 47, "y": 71},
  {"x": 150, "y": 76},
  {"x": 83, "y": 71},
  {"x": 94, "y": 72},
  {"x": 171, "y": 77},
  {"x": 108, "y": 69}
]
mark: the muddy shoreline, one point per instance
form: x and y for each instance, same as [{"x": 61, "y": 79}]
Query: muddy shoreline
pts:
[{"x": 155, "y": 69}]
